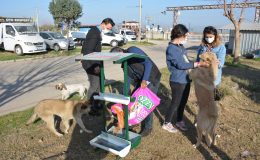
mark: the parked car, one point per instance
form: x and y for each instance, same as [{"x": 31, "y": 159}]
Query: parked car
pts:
[
  {"x": 56, "y": 41},
  {"x": 128, "y": 34},
  {"x": 112, "y": 38}
]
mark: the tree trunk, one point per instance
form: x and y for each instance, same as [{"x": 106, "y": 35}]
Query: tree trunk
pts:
[
  {"x": 237, "y": 44},
  {"x": 68, "y": 29}
]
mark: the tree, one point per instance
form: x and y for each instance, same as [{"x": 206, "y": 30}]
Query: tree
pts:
[
  {"x": 47, "y": 27},
  {"x": 229, "y": 13},
  {"x": 65, "y": 11}
]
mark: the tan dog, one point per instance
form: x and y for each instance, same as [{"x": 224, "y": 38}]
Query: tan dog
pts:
[
  {"x": 203, "y": 79},
  {"x": 65, "y": 109}
]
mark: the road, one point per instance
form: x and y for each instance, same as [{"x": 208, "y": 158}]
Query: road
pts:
[{"x": 24, "y": 83}]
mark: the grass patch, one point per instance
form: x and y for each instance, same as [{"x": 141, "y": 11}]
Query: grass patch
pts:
[
  {"x": 249, "y": 85},
  {"x": 129, "y": 44},
  {"x": 229, "y": 62},
  {"x": 10, "y": 56},
  {"x": 224, "y": 89},
  {"x": 249, "y": 82},
  {"x": 242, "y": 62},
  {"x": 159, "y": 39},
  {"x": 257, "y": 59},
  {"x": 75, "y": 51},
  {"x": 14, "y": 120},
  {"x": 107, "y": 48},
  {"x": 142, "y": 43},
  {"x": 7, "y": 56}
]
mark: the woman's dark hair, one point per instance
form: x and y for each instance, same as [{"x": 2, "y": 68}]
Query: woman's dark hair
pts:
[
  {"x": 211, "y": 30},
  {"x": 118, "y": 49},
  {"x": 178, "y": 31},
  {"x": 108, "y": 20}
]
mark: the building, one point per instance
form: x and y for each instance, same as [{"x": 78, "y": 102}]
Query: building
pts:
[
  {"x": 132, "y": 25},
  {"x": 250, "y": 37}
]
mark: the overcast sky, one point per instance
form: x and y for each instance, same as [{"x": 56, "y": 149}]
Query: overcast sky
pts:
[{"x": 119, "y": 10}]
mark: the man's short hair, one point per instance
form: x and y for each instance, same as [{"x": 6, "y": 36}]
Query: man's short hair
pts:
[
  {"x": 118, "y": 49},
  {"x": 108, "y": 21}
]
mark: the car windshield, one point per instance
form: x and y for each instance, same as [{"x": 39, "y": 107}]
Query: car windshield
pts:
[
  {"x": 130, "y": 33},
  {"x": 110, "y": 34},
  {"x": 115, "y": 31},
  {"x": 56, "y": 35},
  {"x": 25, "y": 29}
]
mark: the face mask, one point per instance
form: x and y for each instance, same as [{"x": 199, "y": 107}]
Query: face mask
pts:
[
  {"x": 106, "y": 30},
  {"x": 210, "y": 40},
  {"x": 184, "y": 41}
]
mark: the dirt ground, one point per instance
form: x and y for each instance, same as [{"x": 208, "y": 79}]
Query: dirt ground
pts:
[{"x": 238, "y": 125}]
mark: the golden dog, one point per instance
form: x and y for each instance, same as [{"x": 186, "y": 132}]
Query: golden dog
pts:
[
  {"x": 65, "y": 109},
  {"x": 203, "y": 79}
]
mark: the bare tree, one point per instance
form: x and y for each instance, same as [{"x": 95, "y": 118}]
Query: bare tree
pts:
[{"x": 229, "y": 13}]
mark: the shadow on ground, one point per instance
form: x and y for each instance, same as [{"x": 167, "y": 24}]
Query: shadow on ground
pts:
[
  {"x": 79, "y": 146},
  {"x": 34, "y": 77},
  {"x": 191, "y": 134},
  {"x": 247, "y": 79}
]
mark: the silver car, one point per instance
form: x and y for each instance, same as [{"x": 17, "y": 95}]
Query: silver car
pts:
[{"x": 56, "y": 41}]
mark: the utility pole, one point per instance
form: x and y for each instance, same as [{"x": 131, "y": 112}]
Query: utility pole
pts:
[
  {"x": 37, "y": 20},
  {"x": 140, "y": 21}
]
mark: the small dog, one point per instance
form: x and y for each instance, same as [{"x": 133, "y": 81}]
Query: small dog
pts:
[
  {"x": 66, "y": 109},
  {"x": 203, "y": 79},
  {"x": 68, "y": 90}
]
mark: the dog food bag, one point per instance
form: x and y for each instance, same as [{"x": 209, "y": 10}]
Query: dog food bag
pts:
[{"x": 145, "y": 103}]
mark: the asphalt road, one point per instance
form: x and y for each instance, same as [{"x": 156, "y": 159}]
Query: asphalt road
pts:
[{"x": 24, "y": 83}]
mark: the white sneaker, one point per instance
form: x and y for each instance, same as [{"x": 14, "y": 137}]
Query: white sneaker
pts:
[{"x": 168, "y": 127}]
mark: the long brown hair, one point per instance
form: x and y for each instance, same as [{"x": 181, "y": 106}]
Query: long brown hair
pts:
[{"x": 211, "y": 30}]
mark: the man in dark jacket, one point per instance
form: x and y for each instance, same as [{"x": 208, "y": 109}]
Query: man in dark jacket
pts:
[
  {"x": 92, "y": 44},
  {"x": 144, "y": 73}
]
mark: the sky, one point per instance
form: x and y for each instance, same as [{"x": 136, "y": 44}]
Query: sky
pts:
[{"x": 94, "y": 11}]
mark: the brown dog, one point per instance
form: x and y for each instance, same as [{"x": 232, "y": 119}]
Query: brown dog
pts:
[
  {"x": 65, "y": 109},
  {"x": 203, "y": 79}
]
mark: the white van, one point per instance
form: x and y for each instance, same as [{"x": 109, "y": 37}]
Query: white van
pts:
[
  {"x": 128, "y": 34},
  {"x": 20, "y": 36}
]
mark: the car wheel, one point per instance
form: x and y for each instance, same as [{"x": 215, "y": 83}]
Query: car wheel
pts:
[
  {"x": 18, "y": 50},
  {"x": 56, "y": 47},
  {"x": 47, "y": 47},
  {"x": 114, "y": 43}
]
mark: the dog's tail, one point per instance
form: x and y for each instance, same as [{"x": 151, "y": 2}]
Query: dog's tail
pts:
[{"x": 32, "y": 119}]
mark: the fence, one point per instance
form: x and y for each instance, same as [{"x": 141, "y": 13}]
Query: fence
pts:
[{"x": 195, "y": 37}]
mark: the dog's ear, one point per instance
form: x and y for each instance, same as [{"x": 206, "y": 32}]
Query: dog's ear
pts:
[
  {"x": 64, "y": 86},
  {"x": 56, "y": 86},
  {"x": 211, "y": 57},
  {"x": 85, "y": 104}
]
